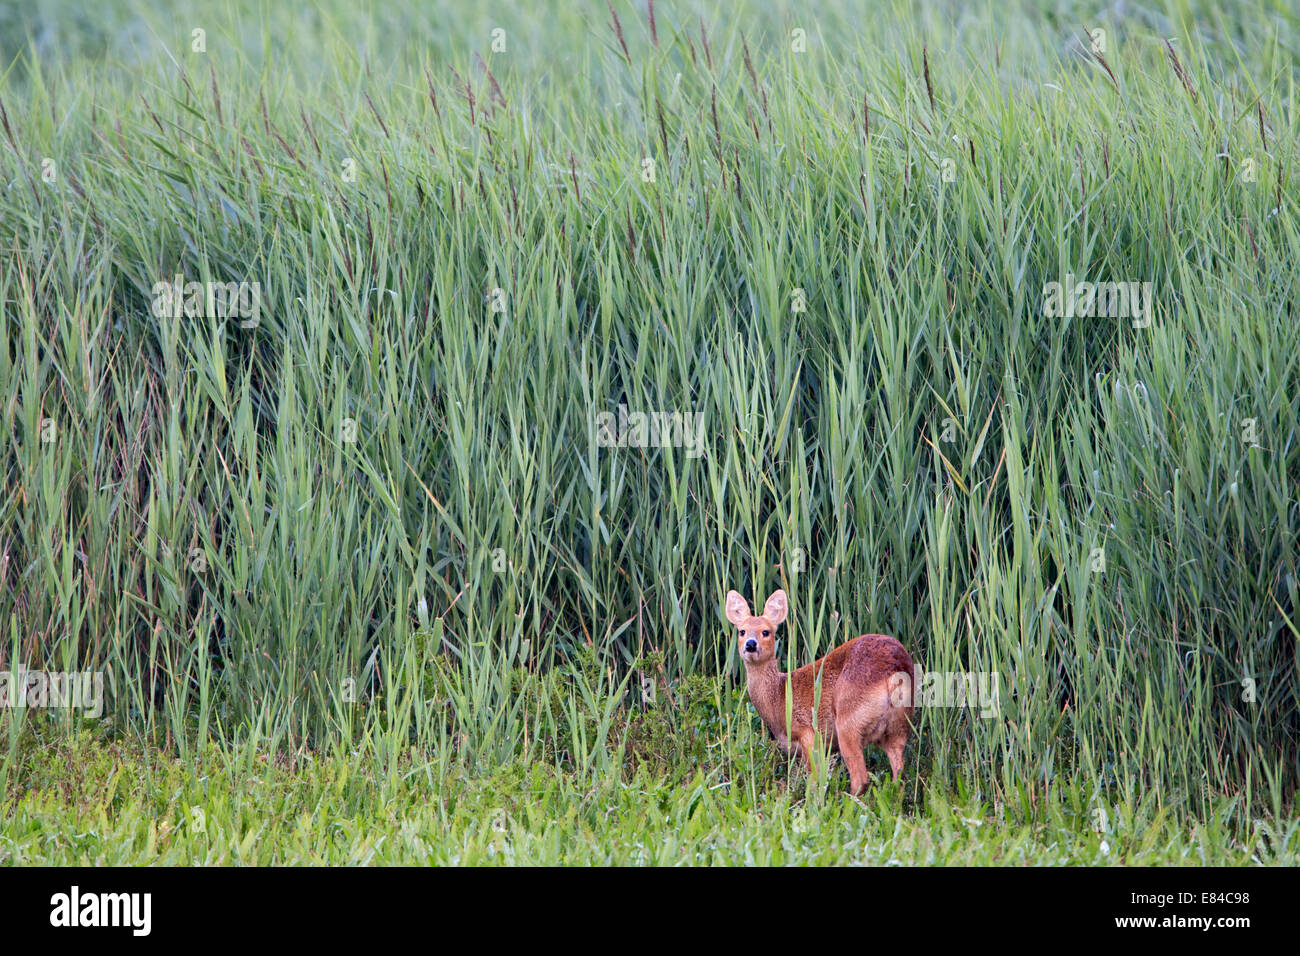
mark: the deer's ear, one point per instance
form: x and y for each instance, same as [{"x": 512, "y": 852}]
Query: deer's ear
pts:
[
  {"x": 775, "y": 609},
  {"x": 737, "y": 608}
]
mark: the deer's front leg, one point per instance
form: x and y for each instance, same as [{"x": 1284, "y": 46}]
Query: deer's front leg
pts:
[{"x": 808, "y": 747}]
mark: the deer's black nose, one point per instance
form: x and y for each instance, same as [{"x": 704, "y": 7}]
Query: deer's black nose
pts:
[{"x": 751, "y": 645}]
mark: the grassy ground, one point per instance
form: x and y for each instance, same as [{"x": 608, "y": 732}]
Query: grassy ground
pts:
[
  {"x": 375, "y": 521},
  {"x": 88, "y": 802}
]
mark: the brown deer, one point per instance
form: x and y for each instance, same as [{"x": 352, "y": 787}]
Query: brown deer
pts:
[{"x": 865, "y": 685}]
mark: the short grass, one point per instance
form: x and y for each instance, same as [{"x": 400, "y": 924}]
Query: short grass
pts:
[
  {"x": 360, "y": 573},
  {"x": 87, "y": 801}
]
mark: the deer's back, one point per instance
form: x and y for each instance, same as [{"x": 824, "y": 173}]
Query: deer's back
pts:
[{"x": 854, "y": 667}]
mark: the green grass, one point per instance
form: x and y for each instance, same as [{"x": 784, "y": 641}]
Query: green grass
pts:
[
  {"x": 377, "y": 525},
  {"x": 87, "y": 802}
]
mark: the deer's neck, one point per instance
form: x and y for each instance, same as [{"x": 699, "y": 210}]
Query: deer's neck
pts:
[{"x": 767, "y": 688}]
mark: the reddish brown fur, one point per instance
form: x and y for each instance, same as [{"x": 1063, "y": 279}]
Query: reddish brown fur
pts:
[{"x": 865, "y": 685}]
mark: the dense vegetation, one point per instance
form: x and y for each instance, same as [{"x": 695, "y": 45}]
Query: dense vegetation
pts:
[{"x": 376, "y": 524}]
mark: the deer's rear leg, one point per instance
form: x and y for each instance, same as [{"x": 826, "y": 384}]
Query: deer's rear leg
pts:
[
  {"x": 850, "y": 740},
  {"x": 894, "y": 751}
]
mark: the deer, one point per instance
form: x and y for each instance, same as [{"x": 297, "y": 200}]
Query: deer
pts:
[{"x": 865, "y": 691}]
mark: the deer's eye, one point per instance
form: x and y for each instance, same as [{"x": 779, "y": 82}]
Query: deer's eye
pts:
[
  {"x": 765, "y": 633},
  {"x": 742, "y": 633}
]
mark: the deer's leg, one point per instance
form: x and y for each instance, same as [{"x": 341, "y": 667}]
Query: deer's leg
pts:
[
  {"x": 851, "y": 754},
  {"x": 894, "y": 751},
  {"x": 808, "y": 747}
]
